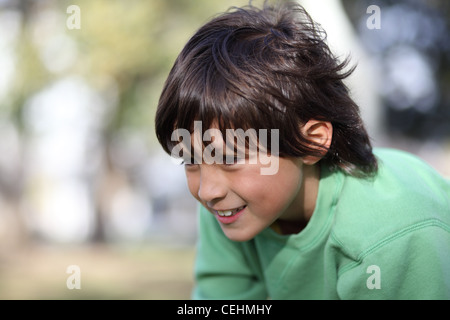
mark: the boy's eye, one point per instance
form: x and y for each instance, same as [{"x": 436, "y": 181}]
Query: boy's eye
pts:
[{"x": 226, "y": 161}]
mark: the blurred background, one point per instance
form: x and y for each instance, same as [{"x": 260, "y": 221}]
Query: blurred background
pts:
[{"x": 83, "y": 180}]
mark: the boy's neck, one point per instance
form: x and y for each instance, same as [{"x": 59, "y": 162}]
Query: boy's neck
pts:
[
  {"x": 310, "y": 189},
  {"x": 302, "y": 208}
]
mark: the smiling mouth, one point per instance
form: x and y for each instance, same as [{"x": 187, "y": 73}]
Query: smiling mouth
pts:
[{"x": 229, "y": 213}]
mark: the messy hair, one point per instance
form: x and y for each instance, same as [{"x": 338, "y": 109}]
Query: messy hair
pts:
[{"x": 264, "y": 69}]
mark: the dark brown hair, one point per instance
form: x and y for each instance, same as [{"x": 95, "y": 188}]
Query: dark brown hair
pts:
[{"x": 266, "y": 68}]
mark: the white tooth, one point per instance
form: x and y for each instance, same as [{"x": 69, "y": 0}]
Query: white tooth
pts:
[{"x": 224, "y": 213}]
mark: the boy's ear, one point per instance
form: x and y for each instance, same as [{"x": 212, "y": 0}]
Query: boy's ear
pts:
[{"x": 320, "y": 133}]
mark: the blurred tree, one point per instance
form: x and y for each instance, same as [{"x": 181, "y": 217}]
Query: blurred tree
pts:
[{"x": 30, "y": 76}]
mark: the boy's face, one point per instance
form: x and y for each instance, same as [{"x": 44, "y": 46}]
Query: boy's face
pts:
[{"x": 244, "y": 201}]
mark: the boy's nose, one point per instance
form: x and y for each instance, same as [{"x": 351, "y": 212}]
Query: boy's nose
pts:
[{"x": 212, "y": 186}]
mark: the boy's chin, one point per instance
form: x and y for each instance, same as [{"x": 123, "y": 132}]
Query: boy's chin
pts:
[{"x": 239, "y": 235}]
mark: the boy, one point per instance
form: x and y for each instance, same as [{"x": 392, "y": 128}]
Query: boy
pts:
[{"x": 334, "y": 219}]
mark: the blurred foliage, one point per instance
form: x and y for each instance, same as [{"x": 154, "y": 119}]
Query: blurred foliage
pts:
[
  {"x": 135, "y": 43},
  {"x": 124, "y": 46}
]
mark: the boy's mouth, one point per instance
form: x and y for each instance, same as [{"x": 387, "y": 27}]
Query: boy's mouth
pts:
[{"x": 229, "y": 213}]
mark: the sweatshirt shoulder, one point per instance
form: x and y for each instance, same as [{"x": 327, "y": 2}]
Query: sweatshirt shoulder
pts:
[{"x": 405, "y": 195}]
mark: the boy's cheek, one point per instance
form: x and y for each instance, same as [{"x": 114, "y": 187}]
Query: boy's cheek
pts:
[{"x": 193, "y": 185}]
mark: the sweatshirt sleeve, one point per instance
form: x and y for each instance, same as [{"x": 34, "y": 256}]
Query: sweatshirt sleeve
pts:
[
  {"x": 223, "y": 268},
  {"x": 411, "y": 265}
]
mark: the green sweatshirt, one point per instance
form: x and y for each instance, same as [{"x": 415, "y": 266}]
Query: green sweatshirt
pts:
[{"x": 381, "y": 238}]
